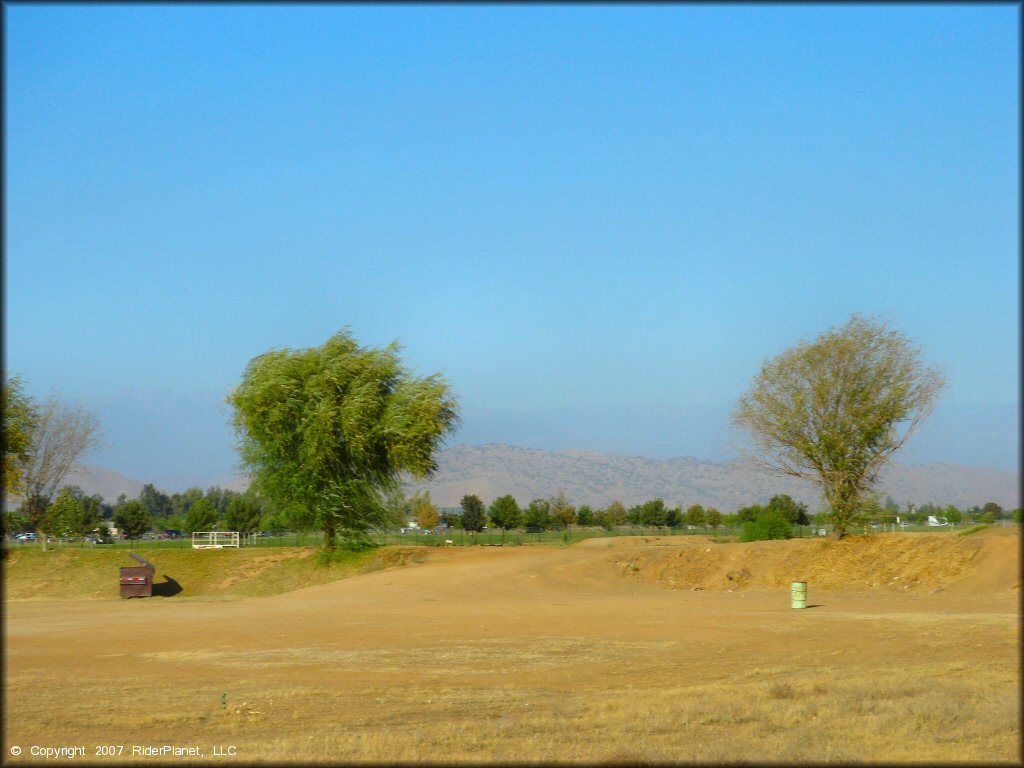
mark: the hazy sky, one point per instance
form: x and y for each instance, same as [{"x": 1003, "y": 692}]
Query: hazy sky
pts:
[{"x": 553, "y": 206}]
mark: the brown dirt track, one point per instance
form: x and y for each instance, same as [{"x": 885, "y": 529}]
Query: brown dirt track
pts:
[{"x": 627, "y": 649}]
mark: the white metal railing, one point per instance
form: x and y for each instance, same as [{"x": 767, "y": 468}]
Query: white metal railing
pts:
[{"x": 215, "y": 539}]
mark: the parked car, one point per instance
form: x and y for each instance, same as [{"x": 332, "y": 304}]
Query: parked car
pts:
[{"x": 26, "y": 536}]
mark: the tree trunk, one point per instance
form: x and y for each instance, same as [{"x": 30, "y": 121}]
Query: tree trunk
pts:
[{"x": 329, "y": 532}]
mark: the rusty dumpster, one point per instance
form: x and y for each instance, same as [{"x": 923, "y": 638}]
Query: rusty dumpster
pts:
[{"x": 137, "y": 580}]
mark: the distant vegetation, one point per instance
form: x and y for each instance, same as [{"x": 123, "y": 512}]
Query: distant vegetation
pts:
[{"x": 77, "y": 517}]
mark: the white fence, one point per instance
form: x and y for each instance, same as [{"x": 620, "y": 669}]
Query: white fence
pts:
[{"x": 215, "y": 539}]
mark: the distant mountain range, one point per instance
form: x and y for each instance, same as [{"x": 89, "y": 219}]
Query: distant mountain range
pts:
[
  {"x": 180, "y": 440},
  {"x": 597, "y": 479},
  {"x": 600, "y": 478}
]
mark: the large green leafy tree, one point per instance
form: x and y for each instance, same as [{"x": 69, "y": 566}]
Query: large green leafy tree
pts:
[
  {"x": 20, "y": 416},
  {"x": 833, "y": 411},
  {"x": 333, "y": 428}
]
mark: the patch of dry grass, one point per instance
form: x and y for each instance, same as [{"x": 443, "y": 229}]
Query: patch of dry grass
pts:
[{"x": 958, "y": 713}]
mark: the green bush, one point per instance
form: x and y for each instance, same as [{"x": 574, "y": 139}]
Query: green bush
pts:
[{"x": 769, "y": 524}]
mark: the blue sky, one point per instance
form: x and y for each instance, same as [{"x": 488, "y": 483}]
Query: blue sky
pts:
[{"x": 556, "y": 207}]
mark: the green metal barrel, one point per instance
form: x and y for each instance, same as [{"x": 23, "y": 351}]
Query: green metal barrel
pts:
[{"x": 798, "y": 593}]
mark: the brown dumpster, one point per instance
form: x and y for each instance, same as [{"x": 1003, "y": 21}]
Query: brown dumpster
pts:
[{"x": 137, "y": 580}]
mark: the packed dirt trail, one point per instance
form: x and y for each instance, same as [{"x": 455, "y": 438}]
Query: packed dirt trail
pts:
[{"x": 485, "y": 641}]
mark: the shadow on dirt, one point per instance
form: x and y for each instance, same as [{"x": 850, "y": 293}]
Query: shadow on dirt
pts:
[{"x": 169, "y": 588}]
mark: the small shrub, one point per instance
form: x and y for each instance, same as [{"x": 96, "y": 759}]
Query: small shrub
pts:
[
  {"x": 782, "y": 691},
  {"x": 769, "y": 524},
  {"x": 972, "y": 529}
]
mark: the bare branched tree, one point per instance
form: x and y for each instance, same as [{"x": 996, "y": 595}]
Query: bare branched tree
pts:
[{"x": 62, "y": 435}]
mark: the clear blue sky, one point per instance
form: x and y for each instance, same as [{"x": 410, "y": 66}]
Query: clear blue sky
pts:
[{"x": 554, "y": 206}]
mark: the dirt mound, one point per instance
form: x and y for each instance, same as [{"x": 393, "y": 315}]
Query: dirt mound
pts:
[{"x": 902, "y": 562}]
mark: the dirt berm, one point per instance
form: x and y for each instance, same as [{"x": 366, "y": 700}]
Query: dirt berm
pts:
[{"x": 988, "y": 560}]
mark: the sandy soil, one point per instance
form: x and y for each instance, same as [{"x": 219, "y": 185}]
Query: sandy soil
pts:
[{"x": 480, "y": 635}]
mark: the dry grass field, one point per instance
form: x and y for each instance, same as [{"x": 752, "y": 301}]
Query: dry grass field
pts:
[{"x": 638, "y": 650}]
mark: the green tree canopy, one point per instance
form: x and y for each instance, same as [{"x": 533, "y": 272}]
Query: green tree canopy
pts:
[
  {"x": 653, "y": 512},
  {"x": 424, "y": 510},
  {"x": 158, "y": 504},
  {"x": 505, "y": 513},
  {"x": 131, "y": 519},
  {"x": 832, "y": 411},
  {"x": 770, "y": 524},
  {"x": 538, "y": 514},
  {"x": 748, "y": 513},
  {"x": 615, "y": 513},
  {"x": 20, "y": 417},
  {"x": 794, "y": 511},
  {"x": 332, "y": 428},
  {"x": 202, "y": 516},
  {"x": 474, "y": 514},
  {"x": 181, "y": 503},
  {"x": 994, "y": 509},
  {"x": 695, "y": 515},
  {"x": 65, "y": 516},
  {"x": 244, "y": 513},
  {"x": 77, "y": 513},
  {"x": 563, "y": 514}
]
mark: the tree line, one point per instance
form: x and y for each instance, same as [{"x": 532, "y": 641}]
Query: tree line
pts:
[
  {"x": 74, "y": 515},
  {"x": 773, "y": 520},
  {"x": 331, "y": 433}
]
